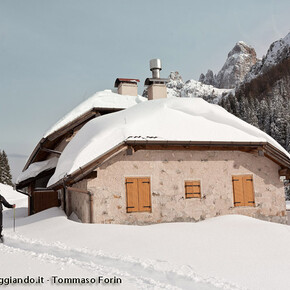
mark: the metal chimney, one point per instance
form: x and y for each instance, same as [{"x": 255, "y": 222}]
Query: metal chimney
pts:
[
  {"x": 155, "y": 67},
  {"x": 156, "y": 85}
]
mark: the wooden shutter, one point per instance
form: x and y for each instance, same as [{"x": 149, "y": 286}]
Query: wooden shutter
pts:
[
  {"x": 132, "y": 194},
  {"x": 192, "y": 189},
  {"x": 243, "y": 190},
  {"x": 238, "y": 191},
  {"x": 144, "y": 194},
  {"x": 249, "y": 198}
]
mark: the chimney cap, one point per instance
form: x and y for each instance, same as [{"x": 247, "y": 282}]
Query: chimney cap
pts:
[
  {"x": 150, "y": 81},
  {"x": 123, "y": 80},
  {"x": 155, "y": 64}
]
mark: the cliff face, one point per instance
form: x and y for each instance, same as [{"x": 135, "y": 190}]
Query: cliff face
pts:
[{"x": 238, "y": 63}]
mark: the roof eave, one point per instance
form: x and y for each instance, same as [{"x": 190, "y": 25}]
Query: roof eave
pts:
[
  {"x": 92, "y": 113},
  {"x": 24, "y": 183},
  {"x": 83, "y": 171},
  {"x": 278, "y": 157}
]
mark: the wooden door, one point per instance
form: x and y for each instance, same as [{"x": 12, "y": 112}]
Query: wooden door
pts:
[{"x": 44, "y": 199}]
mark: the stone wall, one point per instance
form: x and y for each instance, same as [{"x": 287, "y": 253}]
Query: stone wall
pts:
[{"x": 168, "y": 170}]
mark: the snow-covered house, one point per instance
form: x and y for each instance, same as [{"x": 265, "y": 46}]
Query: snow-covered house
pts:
[
  {"x": 41, "y": 164},
  {"x": 162, "y": 160}
]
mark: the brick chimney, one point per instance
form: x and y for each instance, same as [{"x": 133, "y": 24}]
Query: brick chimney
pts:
[
  {"x": 127, "y": 86},
  {"x": 156, "y": 85}
]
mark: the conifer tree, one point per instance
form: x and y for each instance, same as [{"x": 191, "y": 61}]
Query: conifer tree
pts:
[
  {"x": 1, "y": 166},
  {"x": 5, "y": 174},
  {"x": 287, "y": 189}
]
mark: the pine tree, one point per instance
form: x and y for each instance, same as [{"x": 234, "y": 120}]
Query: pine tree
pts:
[
  {"x": 278, "y": 120},
  {"x": 264, "y": 117},
  {"x": 5, "y": 176},
  {"x": 287, "y": 189}
]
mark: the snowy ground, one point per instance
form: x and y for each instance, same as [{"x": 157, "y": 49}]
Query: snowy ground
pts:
[{"x": 228, "y": 252}]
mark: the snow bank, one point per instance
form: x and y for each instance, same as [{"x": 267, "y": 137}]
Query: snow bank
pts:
[
  {"x": 227, "y": 252},
  {"x": 170, "y": 119},
  {"x": 102, "y": 99},
  {"x": 74, "y": 217},
  {"x": 10, "y": 194},
  {"x": 36, "y": 168}
]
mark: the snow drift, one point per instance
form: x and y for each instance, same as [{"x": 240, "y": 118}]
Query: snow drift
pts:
[{"x": 227, "y": 252}]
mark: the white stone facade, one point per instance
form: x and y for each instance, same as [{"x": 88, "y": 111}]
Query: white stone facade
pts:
[{"x": 168, "y": 170}]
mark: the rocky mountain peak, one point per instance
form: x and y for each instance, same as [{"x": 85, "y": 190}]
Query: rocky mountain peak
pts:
[
  {"x": 239, "y": 62},
  {"x": 208, "y": 79},
  {"x": 242, "y": 48},
  {"x": 277, "y": 52}
]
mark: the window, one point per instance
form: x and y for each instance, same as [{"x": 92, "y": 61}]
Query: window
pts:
[
  {"x": 138, "y": 194},
  {"x": 243, "y": 190},
  {"x": 192, "y": 189}
]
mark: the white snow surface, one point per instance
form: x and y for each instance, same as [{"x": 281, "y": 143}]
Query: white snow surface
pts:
[
  {"x": 36, "y": 168},
  {"x": 226, "y": 252},
  {"x": 170, "y": 119},
  {"x": 194, "y": 88},
  {"x": 11, "y": 195},
  {"x": 102, "y": 99}
]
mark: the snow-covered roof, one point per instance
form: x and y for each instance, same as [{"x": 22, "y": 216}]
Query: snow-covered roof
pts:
[
  {"x": 170, "y": 119},
  {"x": 36, "y": 168},
  {"x": 102, "y": 99}
]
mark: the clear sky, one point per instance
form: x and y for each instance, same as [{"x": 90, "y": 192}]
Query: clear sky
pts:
[{"x": 56, "y": 53}]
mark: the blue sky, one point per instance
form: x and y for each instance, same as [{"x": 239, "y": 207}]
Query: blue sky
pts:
[{"x": 56, "y": 53}]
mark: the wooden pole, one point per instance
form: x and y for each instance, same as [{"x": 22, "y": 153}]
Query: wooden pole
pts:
[{"x": 14, "y": 220}]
